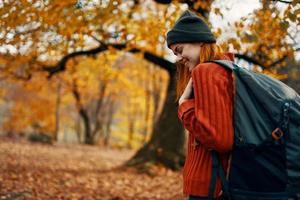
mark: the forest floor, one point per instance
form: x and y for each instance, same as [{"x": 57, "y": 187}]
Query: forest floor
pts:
[{"x": 60, "y": 171}]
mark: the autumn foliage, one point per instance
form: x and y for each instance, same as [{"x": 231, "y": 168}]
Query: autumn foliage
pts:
[{"x": 98, "y": 73}]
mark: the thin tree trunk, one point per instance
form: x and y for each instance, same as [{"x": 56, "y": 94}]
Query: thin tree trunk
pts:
[
  {"x": 130, "y": 134},
  {"x": 88, "y": 135},
  {"x": 131, "y": 119},
  {"x": 88, "y": 139},
  {"x": 109, "y": 122},
  {"x": 58, "y": 97},
  {"x": 99, "y": 121},
  {"x": 78, "y": 129}
]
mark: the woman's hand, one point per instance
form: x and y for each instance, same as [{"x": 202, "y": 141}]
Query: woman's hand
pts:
[{"x": 187, "y": 93}]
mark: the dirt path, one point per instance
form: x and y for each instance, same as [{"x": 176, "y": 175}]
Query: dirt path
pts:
[{"x": 36, "y": 171}]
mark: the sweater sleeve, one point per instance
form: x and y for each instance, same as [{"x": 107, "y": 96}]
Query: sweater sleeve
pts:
[{"x": 209, "y": 115}]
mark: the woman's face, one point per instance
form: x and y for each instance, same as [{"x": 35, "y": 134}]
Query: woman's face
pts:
[{"x": 187, "y": 54}]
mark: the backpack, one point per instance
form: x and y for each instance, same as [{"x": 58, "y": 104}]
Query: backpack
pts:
[{"x": 265, "y": 159}]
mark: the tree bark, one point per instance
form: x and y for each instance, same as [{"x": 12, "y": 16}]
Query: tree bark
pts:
[
  {"x": 78, "y": 128},
  {"x": 147, "y": 112},
  {"x": 111, "y": 112},
  {"x": 88, "y": 139},
  {"x": 87, "y": 129},
  {"x": 98, "y": 119},
  {"x": 57, "y": 104}
]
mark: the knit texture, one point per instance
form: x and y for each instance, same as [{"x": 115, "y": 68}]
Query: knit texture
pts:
[
  {"x": 190, "y": 28},
  {"x": 209, "y": 119}
]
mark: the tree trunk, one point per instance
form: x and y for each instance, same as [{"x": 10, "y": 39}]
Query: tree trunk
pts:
[
  {"x": 97, "y": 116},
  {"x": 111, "y": 112},
  {"x": 130, "y": 134},
  {"x": 131, "y": 123},
  {"x": 58, "y": 96},
  {"x": 88, "y": 139},
  {"x": 156, "y": 95},
  {"x": 146, "y": 115},
  {"x": 78, "y": 128},
  {"x": 167, "y": 141},
  {"x": 147, "y": 106}
]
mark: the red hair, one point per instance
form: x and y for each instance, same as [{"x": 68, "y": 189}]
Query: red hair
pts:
[{"x": 209, "y": 51}]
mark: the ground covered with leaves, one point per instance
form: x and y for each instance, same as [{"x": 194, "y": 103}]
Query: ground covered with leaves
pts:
[{"x": 60, "y": 171}]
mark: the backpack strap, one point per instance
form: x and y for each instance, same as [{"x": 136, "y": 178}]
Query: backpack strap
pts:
[
  {"x": 214, "y": 174},
  {"x": 285, "y": 116},
  {"x": 217, "y": 169},
  {"x": 226, "y": 63},
  {"x": 282, "y": 129}
]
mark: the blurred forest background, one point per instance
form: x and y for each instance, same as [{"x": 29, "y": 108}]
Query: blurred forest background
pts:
[{"x": 98, "y": 72}]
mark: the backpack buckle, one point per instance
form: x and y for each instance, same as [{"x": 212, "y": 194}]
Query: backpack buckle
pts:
[{"x": 277, "y": 134}]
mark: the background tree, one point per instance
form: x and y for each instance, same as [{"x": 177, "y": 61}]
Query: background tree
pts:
[{"x": 79, "y": 44}]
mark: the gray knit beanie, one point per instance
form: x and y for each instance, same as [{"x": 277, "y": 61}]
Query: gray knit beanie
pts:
[{"x": 190, "y": 28}]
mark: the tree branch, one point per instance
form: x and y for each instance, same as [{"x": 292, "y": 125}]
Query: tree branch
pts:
[
  {"x": 278, "y": 61},
  {"x": 163, "y": 63},
  {"x": 249, "y": 59},
  {"x": 163, "y": 1},
  {"x": 62, "y": 63},
  {"x": 281, "y": 59},
  {"x": 283, "y": 1}
]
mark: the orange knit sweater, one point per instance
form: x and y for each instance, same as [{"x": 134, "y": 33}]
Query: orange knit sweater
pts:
[{"x": 208, "y": 119}]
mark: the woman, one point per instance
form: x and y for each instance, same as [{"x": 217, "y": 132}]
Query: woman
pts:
[{"x": 205, "y": 93}]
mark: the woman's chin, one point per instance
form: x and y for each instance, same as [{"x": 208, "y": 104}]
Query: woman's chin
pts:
[{"x": 191, "y": 68}]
